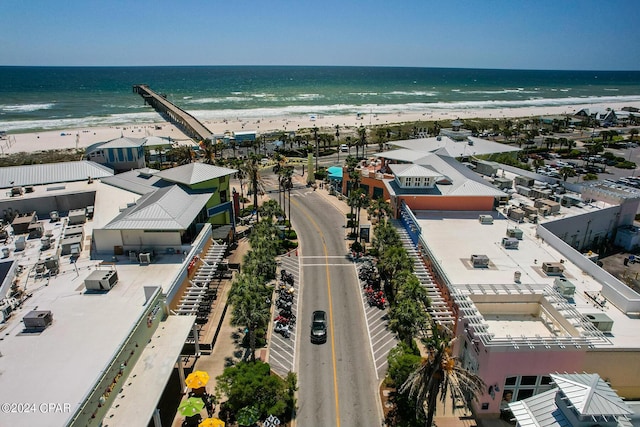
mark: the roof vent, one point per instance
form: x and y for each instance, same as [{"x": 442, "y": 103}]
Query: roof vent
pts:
[{"x": 37, "y": 320}]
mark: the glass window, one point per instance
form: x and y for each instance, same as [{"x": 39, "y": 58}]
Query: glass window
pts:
[
  {"x": 524, "y": 393},
  {"x": 511, "y": 381},
  {"x": 528, "y": 380},
  {"x": 545, "y": 380}
]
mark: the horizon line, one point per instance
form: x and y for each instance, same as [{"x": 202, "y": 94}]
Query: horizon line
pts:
[{"x": 319, "y": 66}]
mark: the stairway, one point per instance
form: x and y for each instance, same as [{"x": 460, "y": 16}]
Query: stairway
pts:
[{"x": 439, "y": 309}]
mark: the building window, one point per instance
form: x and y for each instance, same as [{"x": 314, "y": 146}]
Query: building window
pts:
[
  {"x": 223, "y": 196},
  {"x": 522, "y": 387}
]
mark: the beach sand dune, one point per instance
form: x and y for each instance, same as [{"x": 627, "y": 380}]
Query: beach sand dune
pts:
[{"x": 84, "y": 137}]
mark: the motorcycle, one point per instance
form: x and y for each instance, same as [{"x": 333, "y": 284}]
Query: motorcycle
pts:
[{"x": 281, "y": 329}]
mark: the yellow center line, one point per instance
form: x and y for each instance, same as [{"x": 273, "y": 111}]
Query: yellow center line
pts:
[{"x": 333, "y": 345}]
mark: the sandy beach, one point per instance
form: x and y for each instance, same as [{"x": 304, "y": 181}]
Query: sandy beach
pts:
[{"x": 84, "y": 137}]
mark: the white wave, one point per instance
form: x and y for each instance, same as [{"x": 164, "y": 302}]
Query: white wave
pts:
[
  {"x": 217, "y": 100},
  {"x": 611, "y": 89},
  {"x": 364, "y": 93},
  {"x": 340, "y": 109},
  {"x": 80, "y": 122},
  {"x": 25, "y": 108},
  {"x": 187, "y": 97},
  {"x": 307, "y": 96},
  {"x": 262, "y": 95},
  {"x": 495, "y": 92},
  {"x": 149, "y": 116},
  {"x": 128, "y": 107},
  {"x": 412, "y": 93}
]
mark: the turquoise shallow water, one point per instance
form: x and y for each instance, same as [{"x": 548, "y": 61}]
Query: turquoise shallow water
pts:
[{"x": 35, "y": 98}]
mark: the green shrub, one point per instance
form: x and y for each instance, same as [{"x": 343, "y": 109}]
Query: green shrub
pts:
[
  {"x": 626, "y": 165},
  {"x": 290, "y": 234},
  {"x": 356, "y": 247}
]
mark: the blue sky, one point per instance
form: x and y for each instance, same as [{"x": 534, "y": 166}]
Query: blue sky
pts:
[{"x": 557, "y": 34}]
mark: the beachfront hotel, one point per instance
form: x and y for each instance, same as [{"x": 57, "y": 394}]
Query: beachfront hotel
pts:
[
  {"x": 509, "y": 260},
  {"x": 96, "y": 317}
]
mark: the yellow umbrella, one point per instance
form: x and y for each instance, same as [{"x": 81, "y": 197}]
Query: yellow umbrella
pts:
[
  {"x": 211, "y": 422},
  {"x": 197, "y": 379}
]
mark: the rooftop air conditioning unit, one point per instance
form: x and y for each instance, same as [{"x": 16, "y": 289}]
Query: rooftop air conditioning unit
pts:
[
  {"x": 480, "y": 261},
  {"x": 601, "y": 321},
  {"x": 101, "y": 280},
  {"x": 564, "y": 287},
  {"x": 510, "y": 242},
  {"x": 37, "y": 319},
  {"x": 485, "y": 219}
]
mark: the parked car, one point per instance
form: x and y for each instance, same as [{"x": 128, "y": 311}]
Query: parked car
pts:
[
  {"x": 319, "y": 327},
  {"x": 344, "y": 148}
]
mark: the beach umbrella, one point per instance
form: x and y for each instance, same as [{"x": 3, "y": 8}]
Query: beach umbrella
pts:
[
  {"x": 191, "y": 406},
  {"x": 211, "y": 422},
  {"x": 248, "y": 416},
  {"x": 197, "y": 379}
]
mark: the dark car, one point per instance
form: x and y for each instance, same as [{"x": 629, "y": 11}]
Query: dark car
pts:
[{"x": 319, "y": 327}]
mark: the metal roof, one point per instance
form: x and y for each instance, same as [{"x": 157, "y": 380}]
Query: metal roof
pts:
[
  {"x": 539, "y": 411},
  {"x": 472, "y": 146},
  {"x": 412, "y": 170},
  {"x": 124, "y": 142},
  {"x": 50, "y": 173},
  {"x": 590, "y": 395},
  {"x": 169, "y": 208},
  {"x": 587, "y": 394},
  {"x": 460, "y": 180},
  {"x": 194, "y": 173},
  {"x": 139, "y": 181}
]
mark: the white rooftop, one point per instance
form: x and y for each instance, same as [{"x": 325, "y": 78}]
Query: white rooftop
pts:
[
  {"x": 453, "y": 237},
  {"x": 26, "y": 175},
  {"x": 446, "y": 145},
  {"x": 63, "y": 362}
]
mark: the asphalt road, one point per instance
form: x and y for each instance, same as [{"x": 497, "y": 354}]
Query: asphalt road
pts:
[{"x": 337, "y": 384}]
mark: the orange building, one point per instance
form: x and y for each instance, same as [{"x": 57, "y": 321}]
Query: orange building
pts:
[{"x": 425, "y": 181}]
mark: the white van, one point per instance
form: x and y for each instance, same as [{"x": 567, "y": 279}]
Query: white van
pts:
[{"x": 344, "y": 148}]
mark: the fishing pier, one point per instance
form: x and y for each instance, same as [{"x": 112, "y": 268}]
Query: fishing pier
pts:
[{"x": 191, "y": 126}]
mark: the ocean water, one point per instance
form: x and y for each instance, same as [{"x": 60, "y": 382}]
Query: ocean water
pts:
[{"x": 39, "y": 98}]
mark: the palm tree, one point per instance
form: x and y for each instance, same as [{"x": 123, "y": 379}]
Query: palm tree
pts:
[
  {"x": 438, "y": 373},
  {"x": 379, "y": 209},
  {"x": 251, "y": 169},
  {"x": 393, "y": 260},
  {"x": 381, "y": 135},
  {"x": 385, "y": 236},
  {"x": 407, "y": 318},
  {"x": 567, "y": 171},
  {"x": 362, "y": 134},
  {"x": 250, "y": 309},
  {"x": 408, "y": 314},
  {"x": 633, "y": 132},
  {"x": 357, "y": 200}
]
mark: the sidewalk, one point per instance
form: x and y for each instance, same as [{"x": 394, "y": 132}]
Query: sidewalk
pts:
[{"x": 226, "y": 350}]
